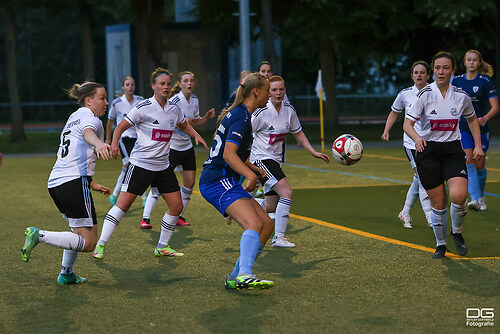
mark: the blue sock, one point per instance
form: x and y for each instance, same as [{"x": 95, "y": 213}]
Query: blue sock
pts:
[
  {"x": 249, "y": 245},
  {"x": 473, "y": 182},
  {"x": 236, "y": 269},
  {"x": 481, "y": 177}
]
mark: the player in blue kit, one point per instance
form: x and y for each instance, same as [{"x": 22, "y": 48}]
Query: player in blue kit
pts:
[
  {"x": 477, "y": 83},
  {"x": 219, "y": 182}
]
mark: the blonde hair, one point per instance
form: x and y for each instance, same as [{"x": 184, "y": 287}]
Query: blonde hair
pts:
[
  {"x": 80, "y": 92},
  {"x": 484, "y": 67},
  {"x": 157, "y": 72},
  {"x": 127, "y": 78},
  {"x": 253, "y": 80}
]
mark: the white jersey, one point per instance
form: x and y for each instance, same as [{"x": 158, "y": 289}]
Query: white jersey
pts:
[
  {"x": 75, "y": 157},
  {"x": 270, "y": 129},
  {"x": 154, "y": 126},
  {"x": 439, "y": 116},
  {"x": 403, "y": 102},
  {"x": 191, "y": 110},
  {"x": 119, "y": 109}
]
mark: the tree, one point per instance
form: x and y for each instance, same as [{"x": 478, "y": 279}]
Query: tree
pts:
[
  {"x": 85, "y": 14},
  {"x": 16, "y": 111},
  {"x": 268, "y": 34}
]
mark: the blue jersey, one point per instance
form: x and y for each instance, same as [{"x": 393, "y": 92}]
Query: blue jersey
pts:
[
  {"x": 480, "y": 90},
  {"x": 236, "y": 128}
]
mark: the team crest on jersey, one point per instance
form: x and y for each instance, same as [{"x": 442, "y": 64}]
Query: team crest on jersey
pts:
[
  {"x": 475, "y": 89},
  {"x": 287, "y": 125},
  {"x": 172, "y": 124},
  {"x": 454, "y": 111}
]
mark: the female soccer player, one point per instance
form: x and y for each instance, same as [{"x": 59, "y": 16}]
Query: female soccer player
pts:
[
  {"x": 71, "y": 180},
  {"x": 420, "y": 72},
  {"x": 477, "y": 83},
  {"x": 228, "y": 159},
  {"x": 439, "y": 155},
  {"x": 271, "y": 125},
  {"x": 181, "y": 147},
  {"x": 265, "y": 69},
  {"x": 119, "y": 109},
  {"x": 155, "y": 119}
]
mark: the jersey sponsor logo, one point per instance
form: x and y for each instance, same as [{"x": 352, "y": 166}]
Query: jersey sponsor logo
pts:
[
  {"x": 156, "y": 122},
  {"x": 443, "y": 124},
  {"x": 275, "y": 138},
  {"x": 161, "y": 135},
  {"x": 433, "y": 112},
  {"x": 73, "y": 124}
]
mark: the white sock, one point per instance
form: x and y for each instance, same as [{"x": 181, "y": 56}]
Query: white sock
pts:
[
  {"x": 457, "y": 213},
  {"x": 153, "y": 197},
  {"x": 186, "y": 198},
  {"x": 282, "y": 214},
  {"x": 167, "y": 229},
  {"x": 425, "y": 202},
  {"x": 262, "y": 202},
  {"x": 411, "y": 196},
  {"x": 439, "y": 225},
  {"x": 68, "y": 259},
  {"x": 64, "y": 240},
  {"x": 111, "y": 221},
  {"x": 119, "y": 182}
]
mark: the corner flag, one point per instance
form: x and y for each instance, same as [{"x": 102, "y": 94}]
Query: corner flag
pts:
[{"x": 320, "y": 92}]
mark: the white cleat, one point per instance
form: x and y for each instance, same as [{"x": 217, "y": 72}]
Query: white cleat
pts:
[
  {"x": 406, "y": 219},
  {"x": 282, "y": 242},
  {"x": 473, "y": 205},
  {"x": 482, "y": 204}
]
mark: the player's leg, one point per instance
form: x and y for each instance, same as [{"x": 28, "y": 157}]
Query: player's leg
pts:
[
  {"x": 151, "y": 202},
  {"x": 188, "y": 181},
  {"x": 425, "y": 202},
  {"x": 282, "y": 214},
  {"x": 482, "y": 174},
  {"x": 412, "y": 193}
]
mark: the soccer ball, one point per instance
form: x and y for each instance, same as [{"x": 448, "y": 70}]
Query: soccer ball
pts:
[{"x": 347, "y": 149}]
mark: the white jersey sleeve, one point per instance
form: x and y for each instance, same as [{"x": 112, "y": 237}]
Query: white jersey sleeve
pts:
[
  {"x": 191, "y": 110},
  {"x": 75, "y": 157}
]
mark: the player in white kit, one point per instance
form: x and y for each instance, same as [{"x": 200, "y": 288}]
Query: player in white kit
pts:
[
  {"x": 271, "y": 125},
  {"x": 440, "y": 157},
  {"x": 420, "y": 73},
  {"x": 181, "y": 147},
  {"x": 155, "y": 120},
  {"x": 119, "y": 109},
  {"x": 71, "y": 180}
]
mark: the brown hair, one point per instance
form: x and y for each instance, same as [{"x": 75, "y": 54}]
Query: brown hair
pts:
[
  {"x": 80, "y": 92},
  {"x": 264, "y": 62},
  {"x": 157, "y": 72},
  {"x": 253, "y": 80},
  {"x": 443, "y": 54},
  {"x": 423, "y": 63},
  {"x": 484, "y": 67}
]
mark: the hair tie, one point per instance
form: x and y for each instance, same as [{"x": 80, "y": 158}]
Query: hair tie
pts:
[{"x": 242, "y": 86}]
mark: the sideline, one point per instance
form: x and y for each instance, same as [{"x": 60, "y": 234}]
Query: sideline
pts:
[{"x": 389, "y": 240}]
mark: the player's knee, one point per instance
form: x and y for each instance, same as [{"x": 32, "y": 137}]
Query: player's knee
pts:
[
  {"x": 175, "y": 210},
  {"x": 89, "y": 245}
]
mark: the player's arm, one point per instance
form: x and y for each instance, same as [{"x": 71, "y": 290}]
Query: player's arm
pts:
[
  {"x": 302, "y": 140},
  {"x": 420, "y": 143},
  {"x": 234, "y": 161},
  {"x": 190, "y": 131},
  {"x": 100, "y": 188},
  {"x": 101, "y": 148},
  {"x": 119, "y": 130},
  {"x": 109, "y": 130},
  {"x": 202, "y": 120},
  {"x": 391, "y": 119},
  {"x": 476, "y": 134},
  {"x": 493, "y": 111}
]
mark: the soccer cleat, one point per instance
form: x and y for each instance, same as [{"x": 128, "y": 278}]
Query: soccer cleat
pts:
[
  {"x": 246, "y": 281},
  {"x": 30, "y": 242},
  {"x": 145, "y": 225},
  {"x": 406, "y": 219},
  {"x": 460, "y": 245},
  {"x": 482, "y": 204},
  {"x": 167, "y": 251},
  {"x": 259, "y": 193},
  {"x": 228, "y": 219},
  {"x": 70, "y": 279},
  {"x": 112, "y": 199},
  {"x": 474, "y": 205},
  {"x": 230, "y": 282},
  {"x": 181, "y": 221},
  {"x": 282, "y": 242},
  {"x": 440, "y": 252},
  {"x": 98, "y": 252}
]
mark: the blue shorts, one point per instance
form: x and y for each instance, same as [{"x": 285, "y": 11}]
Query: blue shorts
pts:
[
  {"x": 468, "y": 140},
  {"x": 223, "y": 193}
]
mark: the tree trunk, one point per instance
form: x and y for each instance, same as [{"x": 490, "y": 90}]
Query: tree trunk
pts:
[
  {"x": 85, "y": 12},
  {"x": 16, "y": 111},
  {"x": 156, "y": 32},
  {"x": 268, "y": 35},
  {"x": 327, "y": 61}
]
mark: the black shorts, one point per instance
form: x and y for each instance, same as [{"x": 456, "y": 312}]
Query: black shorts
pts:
[
  {"x": 126, "y": 145},
  {"x": 186, "y": 159},
  {"x": 138, "y": 179},
  {"x": 274, "y": 174},
  {"x": 74, "y": 201},
  {"x": 439, "y": 162}
]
